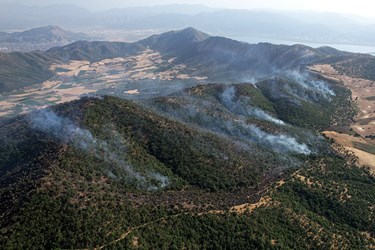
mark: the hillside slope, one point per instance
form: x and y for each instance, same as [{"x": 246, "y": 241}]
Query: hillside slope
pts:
[
  {"x": 47, "y": 34},
  {"x": 41, "y": 38},
  {"x": 19, "y": 70},
  {"x": 213, "y": 58},
  {"x": 177, "y": 178},
  {"x": 95, "y": 51}
]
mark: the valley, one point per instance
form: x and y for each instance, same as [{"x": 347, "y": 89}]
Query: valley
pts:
[{"x": 115, "y": 76}]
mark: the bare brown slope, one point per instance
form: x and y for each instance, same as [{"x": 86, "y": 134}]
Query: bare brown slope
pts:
[{"x": 359, "y": 137}]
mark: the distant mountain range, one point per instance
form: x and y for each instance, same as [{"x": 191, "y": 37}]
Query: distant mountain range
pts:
[
  {"x": 223, "y": 59},
  {"x": 41, "y": 38},
  {"x": 313, "y": 27}
]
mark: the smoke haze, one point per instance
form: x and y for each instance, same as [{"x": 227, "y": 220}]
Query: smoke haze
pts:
[
  {"x": 67, "y": 132},
  {"x": 309, "y": 87},
  {"x": 228, "y": 100}
]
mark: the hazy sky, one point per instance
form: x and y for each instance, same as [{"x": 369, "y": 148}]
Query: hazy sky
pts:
[{"x": 359, "y": 7}]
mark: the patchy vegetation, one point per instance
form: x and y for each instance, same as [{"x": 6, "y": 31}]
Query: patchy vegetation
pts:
[
  {"x": 67, "y": 189},
  {"x": 212, "y": 166}
]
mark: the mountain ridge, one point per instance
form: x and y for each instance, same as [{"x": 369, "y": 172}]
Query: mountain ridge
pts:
[
  {"x": 312, "y": 27},
  {"x": 193, "y": 48},
  {"x": 50, "y": 33},
  {"x": 40, "y": 38}
]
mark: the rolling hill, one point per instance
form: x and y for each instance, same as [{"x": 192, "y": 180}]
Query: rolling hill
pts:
[
  {"x": 233, "y": 159},
  {"x": 47, "y": 34},
  {"x": 94, "y": 51},
  {"x": 166, "y": 160},
  {"x": 217, "y": 58},
  {"x": 19, "y": 70},
  {"x": 263, "y": 25},
  {"x": 41, "y": 38}
]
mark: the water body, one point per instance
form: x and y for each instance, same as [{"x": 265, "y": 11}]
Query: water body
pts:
[{"x": 367, "y": 49}]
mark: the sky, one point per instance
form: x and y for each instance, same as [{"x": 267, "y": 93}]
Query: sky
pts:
[{"x": 357, "y": 7}]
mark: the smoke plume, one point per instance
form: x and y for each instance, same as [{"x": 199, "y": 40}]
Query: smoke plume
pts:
[
  {"x": 112, "y": 152},
  {"x": 309, "y": 87},
  {"x": 279, "y": 143},
  {"x": 228, "y": 100}
]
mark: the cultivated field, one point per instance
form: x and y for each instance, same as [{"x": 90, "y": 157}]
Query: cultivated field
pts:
[{"x": 110, "y": 76}]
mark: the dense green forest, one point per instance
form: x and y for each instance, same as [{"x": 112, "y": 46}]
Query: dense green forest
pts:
[{"x": 165, "y": 173}]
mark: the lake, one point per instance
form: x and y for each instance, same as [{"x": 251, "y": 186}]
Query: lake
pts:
[{"x": 344, "y": 47}]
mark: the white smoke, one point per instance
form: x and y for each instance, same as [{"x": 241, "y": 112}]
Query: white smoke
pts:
[
  {"x": 228, "y": 96},
  {"x": 67, "y": 132},
  {"x": 279, "y": 143},
  {"x": 195, "y": 111},
  {"x": 317, "y": 88},
  {"x": 228, "y": 99},
  {"x": 258, "y": 113},
  {"x": 249, "y": 80},
  {"x": 162, "y": 180}
]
